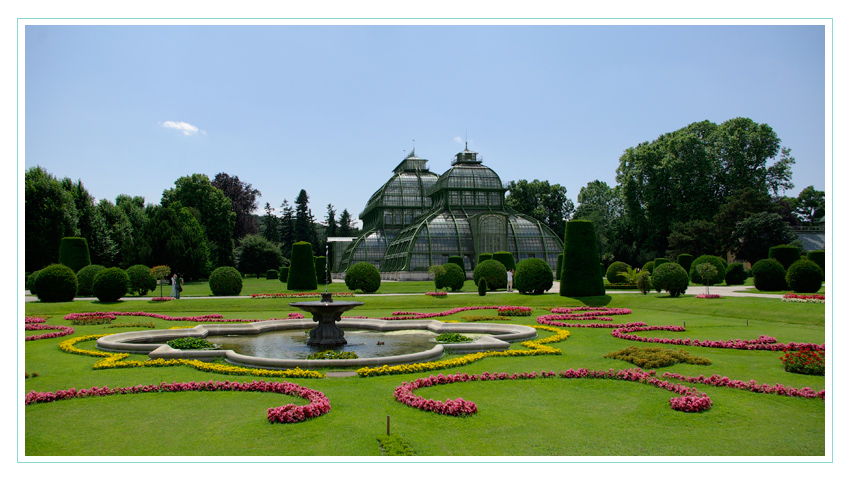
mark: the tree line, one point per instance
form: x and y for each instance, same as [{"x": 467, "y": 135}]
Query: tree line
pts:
[{"x": 199, "y": 225}]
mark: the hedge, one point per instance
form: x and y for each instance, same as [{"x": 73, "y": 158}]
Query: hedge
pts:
[
  {"x": 141, "y": 280},
  {"x": 85, "y": 277},
  {"x": 559, "y": 266},
  {"x": 506, "y": 258},
  {"x": 819, "y": 258},
  {"x": 784, "y": 254},
  {"x": 322, "y": 277},
  {"x": 616, "y": 273},
  {"x": 580, "y": 276},
  {"x": 459, "y": 261},
  {"x": 452, "y": 277},
  {"x": 74, "y": 253},
  {"x": 685, "y": 260},
  {"x": 736, "y": 275},
  {"x": 484, "y": 256},
  {"x": 302, "y": 268},
  {"x": 670, "y": 277}
]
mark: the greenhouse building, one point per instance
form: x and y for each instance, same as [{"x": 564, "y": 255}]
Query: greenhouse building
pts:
[{"x": 417, "y": 220}]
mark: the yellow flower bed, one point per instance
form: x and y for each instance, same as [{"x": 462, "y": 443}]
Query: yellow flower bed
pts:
[
  {"x": 536, "y": 347},
  {"x": 115, "y": 360}
]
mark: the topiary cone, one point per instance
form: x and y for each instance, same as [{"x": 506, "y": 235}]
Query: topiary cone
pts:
[{"x": 580, "y": 276}]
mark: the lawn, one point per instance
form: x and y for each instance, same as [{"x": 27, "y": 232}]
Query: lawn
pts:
[{"x": 542, "y": 416}]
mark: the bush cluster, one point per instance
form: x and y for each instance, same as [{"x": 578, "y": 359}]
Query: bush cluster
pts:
[
  {"x": 452, "y": 337},
  {"x": 56, "y": 283},
  {"x": 656, "y": 357},
  {"x": 736, "y": 275},
  {"x": 719, "y": 266},
  {"x": 804, "y": 276},
  {"x": 363, "y": 276},
  {"x": 492, "y": 271},
  {"x": 85, "y": 277},
  {"x": 225, "y": 281},
  {"x": 768, "y": 275},
  {"x": 644, "y": 282},
  {"x": 110, "y": 284},
  {"x": 141, "y": 280},
  {"x": 451, "y": 277},
  {"x": 671, "y": 278},
  {"x": 533, "y": 276},
  {"x": 804, "y": 361}
]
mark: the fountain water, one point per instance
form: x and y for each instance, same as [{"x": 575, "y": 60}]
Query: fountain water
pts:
[{"x": 327, "y": 313}]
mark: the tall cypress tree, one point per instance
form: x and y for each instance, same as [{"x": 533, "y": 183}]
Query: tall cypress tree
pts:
[
  {"x": 270, "y": 227},
  {"x": 302, "y": 218},
  {"x": 287, "y": 229},
  {"x": 344, "y": 229}
]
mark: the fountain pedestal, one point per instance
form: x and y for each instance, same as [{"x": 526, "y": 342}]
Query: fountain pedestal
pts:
[{"x": 326, "y": 313}]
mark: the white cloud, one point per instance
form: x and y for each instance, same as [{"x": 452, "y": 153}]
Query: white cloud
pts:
[
  {"x": 186, "y": 128},
  {"x": 458, "y": 140}
]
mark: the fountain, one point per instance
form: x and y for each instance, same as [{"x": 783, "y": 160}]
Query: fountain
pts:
[{"x": 327, "y": 313}]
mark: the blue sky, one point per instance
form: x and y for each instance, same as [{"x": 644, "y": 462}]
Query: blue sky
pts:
[{"x": 333, "y": 109}]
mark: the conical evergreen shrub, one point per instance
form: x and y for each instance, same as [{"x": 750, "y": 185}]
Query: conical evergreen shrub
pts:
[
  {"x": 580, "y": 276},
  {"x": 302, "y": 268}
]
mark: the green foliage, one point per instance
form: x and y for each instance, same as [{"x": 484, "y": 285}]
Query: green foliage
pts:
[
  {"x": 559, "y": 266},
  {"x": 656, "y": 357},
  {"x": 580, "y": 276},
  {"x": 768, "y": 275},
  {"x": 671, "y": 278},
  {"x": 30, "y": 285},
  {"x": 644, "y": 282},
  {"x": 660, "y": 260},
  {"x": 331, "y": 354},
  {"x": 395, "y": 445},
  {"x": 363, "y": 276},
  {"x": 755, "y": 235},
  {"x": 685, "y": 260},
  {"x": 256, "y": 255},
  {"x": 484, "y": 256},
  {"x": 110, "y": 284},
  {"x": 175, "y": 238},
  {"x": 451, "y": 276},
  {"x": 648, "y": 267},
  {"x": 736, "y": 275},
  {"x": 494, "y": 272},
  {"x": 56, "y": 283},
  {"x": 694, "y": 235},
  {"x": 547, "y": 203},
  {"x": 85, "y": 277},
  {"x": 617, "y": 273},
  {"x": 506, "y": 258},
  {"x": 225, "y": 281},
  {"x": 804, "y": 276},
  {"x": 533, "y": 276},
  {"x": 784, "y": 254},
  {"x": 190, "y": 343},
  {"x": 810, "y": 205},
  {"x": 50, "y": 214},
  {"x": 452, "y": 337},
  {"x": 284, "y": 274},
  {"x": 272, "y": 274},
  {"x": 805, "y": 361},
  {"x": 459, "y": 261},
  {"x": 322, "y": 275},
  {"x": 482, "y": 287},
  {"x": 141, "y": 280},
  {"x": 819, "y": 258},
  {"x": 302, "y": 269},
  {"x": 74, "y": 253},
  {"x": 717, "y": 277}
]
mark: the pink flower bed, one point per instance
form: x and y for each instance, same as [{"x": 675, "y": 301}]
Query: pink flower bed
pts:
[
  {"x": 38, "y": 324},
  {"x": 289, "y": 413},
  {"x": 437, "y": 294},
  {"x": 204, "y": 318},
  {"x": 162, "y": 299},
  {"x": 762, "y": 343},
  {"x": 405, "y": 315},
  {"x": 708, "y": 296},
  {"x": 298, "y": 295},
  {"x": 752, "y": 386},
  {"x": 516, "y": 311}
]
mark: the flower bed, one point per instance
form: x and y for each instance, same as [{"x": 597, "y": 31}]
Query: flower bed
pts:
[
  {"x": 299, "y": 295},
  {"x": 514, "y": 311},
  {"x": 815, "y": 298},
  {"x": 751, "y": 385},
  {"x": 163, "y": 317},
  {"x": 38, "y": 324},
  {"x": 162, "y": 299},
  {"x": 762, "y": 343},
  {"x": 708, "y": 296},
  {"x": 290, "y": 413},
  {"x": 437, "y": 294},
  {"x": 805, "y": 361}
]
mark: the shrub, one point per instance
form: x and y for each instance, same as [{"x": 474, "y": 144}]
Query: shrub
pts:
[
  {"x": 784, "y": 254},
  {"x": 284, "y": 273},
  {"x": 685, "y": 260},
  {"x": 482, "y": 287},
  {"x": 671, "y": 278},
  {"x": 644, "y": 282},
  {"x": 272, "y": 274},
  {"x": 226, "y": 281},
  {"x": 715, "y": 261},
  {"x": 56, "y": 283},
  {"x": 580, "y": 276},
  {"x": 660, "y": 260},
  {"x": 656, "y": 357},
  {"x": 819, "y": 258},
  {"x": 484, "y": 256},
  {"x": 804, "y": 361},
  {"x": 85, "y": 277},
  {"x": 559, "y": 266},
  {"x": 804, "y": 276},
  {"x": 648, "y": 267},
  {"x": 74, "y": 253},
  {"x": 533, "y": 276},
  {"x": 322, "y": 276},
  {"x": 110, "y": 284},
  {"x": 768, "y": 275},
  {"x": 494, "y": 272},
  {"x": 363, "y": 276},
  {"x": 141, "y": 280},
  {"x": 459, "y": 261},
  {"x": 302, "y": 269},
  {"x": 616, "y": 273},
  {"x": 452, "y": 277},
  {"x": 735, "y": 274},
  {"x": 31, "y": 282},
  {"x": 506, "y": 258},
  {"x": 189, "y": 343}
]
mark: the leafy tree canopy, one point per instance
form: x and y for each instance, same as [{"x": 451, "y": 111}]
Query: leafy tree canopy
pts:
[{"x": 546, "y": 203}]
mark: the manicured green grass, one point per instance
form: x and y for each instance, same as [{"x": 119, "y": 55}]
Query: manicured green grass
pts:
[{"x": 555, "y": 416}]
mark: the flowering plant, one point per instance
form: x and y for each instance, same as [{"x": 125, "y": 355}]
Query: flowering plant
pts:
[
  {"x": 437, "y": 294},
  {"x": 707, "y": 296},
  {"x": 161, "y": 299},
  {"x": 282, "y": 295},
  {"x": 804, "y": 361},
  {"x": 38, "y": 324},
  {"x": 816, "y": 298},
  {"x": 514, "y": 311}
]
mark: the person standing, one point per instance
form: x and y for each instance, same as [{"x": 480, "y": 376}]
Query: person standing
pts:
[
  {"x": 175, "y": 286},
  {"x": 510, "y": 279}
]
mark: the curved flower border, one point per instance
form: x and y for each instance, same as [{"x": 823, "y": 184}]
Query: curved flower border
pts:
[
  {"x": 116, "y": 360},
  {"x": 289, "y": 413},
  {"x": 298, "y": 295},
  {"x": 163, "y": 317},
  {"x": 38, "y": 324}
]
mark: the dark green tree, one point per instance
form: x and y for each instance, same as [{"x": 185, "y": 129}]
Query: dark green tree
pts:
[
  {"x": 758, "y": 233},
  {"x": 256, "y": 255},
  {"x": 287, "y": 228},
  {"x": 547, "y": 203},
  {"x": 243, "y": 201},
  {"x": 49, "y": 215},
  {"x": 601, "y": 205},
  {"x": 303, "y": 224},
  {"x": 695, "y": 237},
  {"x": 345, "y": 229},
  {"x": 176, "y": 239},
  {"x": 810, "y": 205},
  {"x": 270, "y": 225}
]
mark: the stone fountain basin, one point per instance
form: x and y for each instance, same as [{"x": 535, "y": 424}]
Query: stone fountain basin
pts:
[{"x": 494, "y": 337}]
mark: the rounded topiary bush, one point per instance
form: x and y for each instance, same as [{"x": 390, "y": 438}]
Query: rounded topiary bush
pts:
[
  {"x": 74, "y": 253},
  {"x": 226, "y": 281},
  {"x": 533, "y": 276},
  {"x": 685, "y": 260},
  {"x": 482, "y": 287},
  {"x": 819, "y": 258},
  {"x": 56, "y": 283},
  {"x": 141, "y": 280},
  {"x": 804, "y": 276},
  {"x": 31, "y": 282},
  {"x": 768, "y": 275},
  {"x": 85, "y": 277},
  {"x": 784, "y": 254},
  {"x": 110, "y": 284},
  {"x": 715, "y": 261},
  {"x": 670, "y": 277},
  {"x": 736, "y": 275},
  {"x": 616, "y": 273},
  {"x": 302, "y": 268},
  {"x": 506, "y": 258},
  {"x": 494, "y": 272},
  {"x": 648, "y": 267},
  {"x": 644, "y": 282},
  {"x": 363, "y": 276},
  {"x": 283, "y": 275},
  {"x": 272, "y": 274},
  {"x": 452, "y": 277},
  {"x": 581, "y": 276},
  {"x": 660, "y": 260}
]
